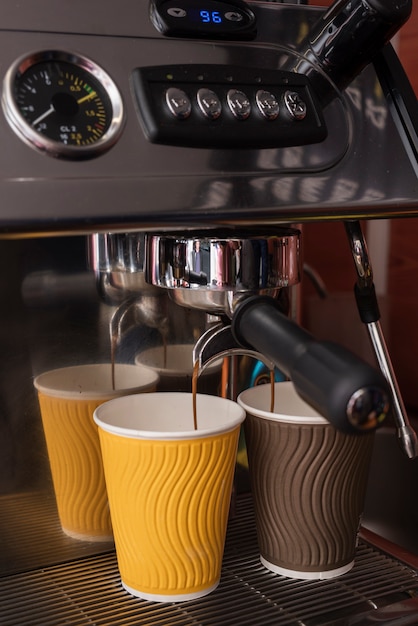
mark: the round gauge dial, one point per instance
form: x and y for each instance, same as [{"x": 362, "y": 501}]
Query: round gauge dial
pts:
[{"x": 63, "y": 104}]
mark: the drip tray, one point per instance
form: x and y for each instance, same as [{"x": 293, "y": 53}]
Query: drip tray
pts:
[{"x": 87, "y": 591}]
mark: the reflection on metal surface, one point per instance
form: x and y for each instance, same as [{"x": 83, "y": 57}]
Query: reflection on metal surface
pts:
[
  {"x": 117, "y": 260},
  {"x": 213, "y": 271}
]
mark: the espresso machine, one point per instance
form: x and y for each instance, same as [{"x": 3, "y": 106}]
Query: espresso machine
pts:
[{"x": 159, "y": 162}]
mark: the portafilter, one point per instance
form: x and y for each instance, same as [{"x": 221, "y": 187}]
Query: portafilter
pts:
[{"x": 240, "y": 274}]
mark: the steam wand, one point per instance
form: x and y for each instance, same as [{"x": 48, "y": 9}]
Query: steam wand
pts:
[{"x": 368, "y": 308}]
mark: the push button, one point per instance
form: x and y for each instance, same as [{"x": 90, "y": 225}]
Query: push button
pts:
[
  {"x": 267, "y": 103},
  {"x": 239, "y": 104},
  {"x": 209, "y": 103},
  {"x": 234, "y": 16},
  {"x": 178, "y": 103},
  {"x": 295, "y": 105},
  {"x": 176, "y": 12}
]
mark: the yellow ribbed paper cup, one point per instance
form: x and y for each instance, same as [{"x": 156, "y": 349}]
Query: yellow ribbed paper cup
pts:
[
  {"x": 169, "y": 489},
  {"x": 67, "y": 398}
]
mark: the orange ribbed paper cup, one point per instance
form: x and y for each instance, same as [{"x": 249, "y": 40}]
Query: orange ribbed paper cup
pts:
[
  {"x": 67, "y": 399},
  {"x": 308, "y": 482},
  {"x": 169, "y": 489}
]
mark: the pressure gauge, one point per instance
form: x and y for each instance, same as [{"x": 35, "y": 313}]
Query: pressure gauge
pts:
[{"x": 62, "y": 104}]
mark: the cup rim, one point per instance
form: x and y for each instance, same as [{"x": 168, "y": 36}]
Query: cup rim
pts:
[
  {"x": 73, "y": 390},
  {"x": 309, "y": 415},
  {"x": 109, "y": 416}
]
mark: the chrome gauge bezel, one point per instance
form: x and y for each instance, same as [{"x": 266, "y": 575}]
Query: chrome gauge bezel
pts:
[{"x": 41, "y": 142}]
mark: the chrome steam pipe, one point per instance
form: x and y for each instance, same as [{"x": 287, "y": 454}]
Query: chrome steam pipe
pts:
[{"x": 368, "y": 308}]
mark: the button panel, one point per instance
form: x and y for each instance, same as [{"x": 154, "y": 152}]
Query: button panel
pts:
[{"x": 218, "y": 106}]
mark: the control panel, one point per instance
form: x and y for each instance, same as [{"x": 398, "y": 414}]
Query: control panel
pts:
[
  {"x": 213, "y": 19},
  {"x": 213, "y": 106}
]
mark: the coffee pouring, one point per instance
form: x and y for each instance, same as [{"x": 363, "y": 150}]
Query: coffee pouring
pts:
[{"x": 244, "y": 274}]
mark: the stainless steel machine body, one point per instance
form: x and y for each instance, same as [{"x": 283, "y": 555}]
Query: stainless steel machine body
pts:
[
  {"x": 56, "y": 199},
  {"x": 362, "y": 169}
]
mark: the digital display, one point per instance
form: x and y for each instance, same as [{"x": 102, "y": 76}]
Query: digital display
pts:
[
  {"x": 206, "y": 17},
  {"x": 228, "y": 17},
  {"x": 210, "y": 17}
]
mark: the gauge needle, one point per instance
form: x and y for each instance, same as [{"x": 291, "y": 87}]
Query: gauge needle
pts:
[
  {"x": 43, "y": 116},
  {"x": 91, "y": 95}
]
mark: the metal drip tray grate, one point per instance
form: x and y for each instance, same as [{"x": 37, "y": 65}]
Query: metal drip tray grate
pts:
[{"x": 87, "y": 592}]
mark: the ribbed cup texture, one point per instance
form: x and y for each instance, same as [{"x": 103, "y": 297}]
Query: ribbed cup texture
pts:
[
  {"x": 308, "y": 484},
  {"x": 76, "y": 466},
  {"x": 169, "y": 503}
]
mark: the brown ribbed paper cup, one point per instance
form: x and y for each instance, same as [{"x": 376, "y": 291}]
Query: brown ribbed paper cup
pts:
[{"x": 308, "y": 482}]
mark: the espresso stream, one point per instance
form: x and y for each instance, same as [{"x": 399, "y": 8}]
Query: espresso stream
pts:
[
  {"x": 114, "y": 340},
  {"x": 113, "y": 345},
  {"x": 272, "y": 391},
  {"x": 195, "y": 377}
]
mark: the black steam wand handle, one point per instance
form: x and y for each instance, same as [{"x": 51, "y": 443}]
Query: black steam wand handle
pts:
[
  {"x": 346, "y": 390},
  {"x": 345, "y": 39}
]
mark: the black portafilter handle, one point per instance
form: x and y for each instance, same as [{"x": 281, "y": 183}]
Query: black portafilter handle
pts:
[
  {"x": 347, "y": 391},
  {"x": 345, "y": 39}
]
